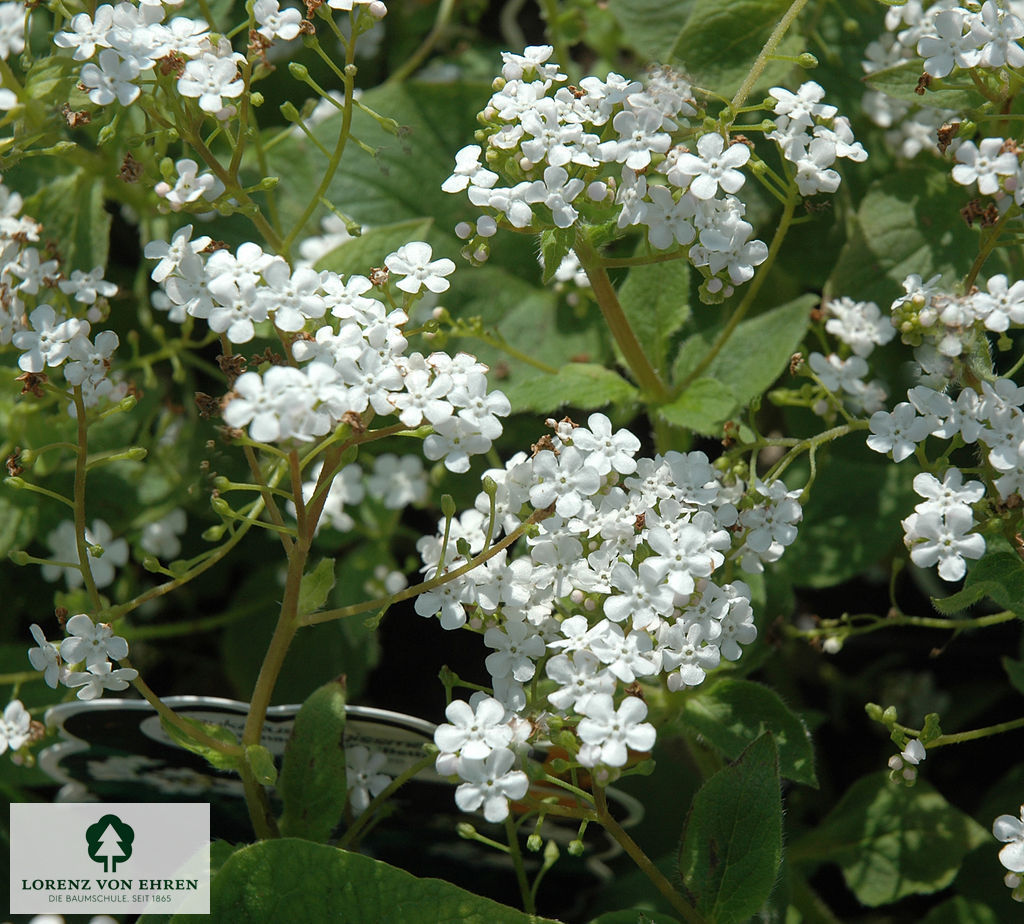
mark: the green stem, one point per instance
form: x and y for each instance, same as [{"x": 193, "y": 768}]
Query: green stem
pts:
[
  {"x": 312, "y": 619},
  {"x": 747, "y": 87},
  {"x": 351, "y": 836},
  {"x": 605, "y": 819},
  {"x": 444, "y": 13},
  {"x": 81, "y": 466},
  {"x": 339, "y": 149},
  {"x": 616, "y": 319},
  {"x": 972, "y": 735},
  {"x": 847, "y": 629},
  {"x": 752, "y": 290},
  {"x": 516, "y": 854},
  {"x": 987, "y": 247}
]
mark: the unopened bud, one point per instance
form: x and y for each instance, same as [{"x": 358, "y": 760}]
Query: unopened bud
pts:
[
  {"x": 534, "y": 843},
  {"x": 807, "y": 61}
]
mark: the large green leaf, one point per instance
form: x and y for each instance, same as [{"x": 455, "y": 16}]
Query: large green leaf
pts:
[
  {"x": 904, "y": 226},
  {"x": 313, "y": 782},
  {"x": 730, "y": 714},
  {"x": 71, "y": 208},
  {"x": 722, "y": 38},
  {"x": 892, "y": 841},
  {"x": 295, "y": 880},
  {"x": 703, "y": 407},
  {"x": 654, "y": 28},
  {"x": 961, "y": 910},
  {"x": 852, "y": 520},
  {"x": 998, "y": 575},
  {"x": 758, "y": 351},
  {"x": 655, "y": 299},
  {"x": 732, "y": 844},
  {"x": 581, "y": 385}
]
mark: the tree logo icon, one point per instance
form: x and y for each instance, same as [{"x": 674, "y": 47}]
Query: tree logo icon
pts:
[{"x": 110, "y": 842}]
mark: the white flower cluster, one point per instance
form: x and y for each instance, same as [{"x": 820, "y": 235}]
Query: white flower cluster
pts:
[
  {"x": 88, "y": 645},
  {"x": 904, "y": 765},
  {"x": 993, "y": 418},
  {"x": 616, "y": 586},
  {"x": 941, "y": 326},
  {"x": 53, "y": 335},
  {"x": 1010, "y": 830},
  {"x": 812, "y": 136},
  {"x": 353, "y": 364},
  {"x": 610, "y": 150},
  {"x": 131, "y": 43},
  {"x": 860, "y": 326},
  {"x": 939, "y": 529},
  {"x": 946, "y": 36}
]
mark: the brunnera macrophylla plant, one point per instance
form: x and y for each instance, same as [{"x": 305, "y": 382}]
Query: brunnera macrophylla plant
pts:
[{"x": 620, "y": 527}]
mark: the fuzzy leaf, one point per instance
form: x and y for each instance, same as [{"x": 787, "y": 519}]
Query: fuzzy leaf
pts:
[
  {"x": 891, "y": 841},
  {"x": 732, "y": 843},
  {"x": 313, "y": 783},
  {"x": 294, "y": 880},
  {"x": 730, "y": 714},
  {"x": 582, "y": 385}
]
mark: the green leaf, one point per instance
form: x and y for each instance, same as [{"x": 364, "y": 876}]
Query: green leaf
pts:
[
  {"x": 50, "y": 78},
  {"x": 730, "y": 714},
  {"x": 892, "y": 841},
  {"x": 1015, "y": 671},
  {"x": 900, "y": 82},
  {"x": 961, "y": 910},
  {"x": 655, "y": 299},
  {"x": 722, "y": 39},
  {"x": 72, "y": 208},
  {"x": 903, "y": 226},
  {"x": 703, "y": 407},
  {"x": 294, "y": 880},
  {"x": 634, "y": 916},
  {"x": 316, "y": 586},
  {"x": 261, "y": 762},
  {"x": 999, "y": 575},
  {"x": 582, "y": 385},
  {"x": 313, "y": 783},
  {"x": 852, "y": 521},
  {"x": 361, "y": 254},
  {"x": 732, "y": 843},
  {"x": 652, "y": 27},
  {"x": 758, "y": 352},
  {"x": 214, "y": 757},
  {"x": 555, "y": 245}
]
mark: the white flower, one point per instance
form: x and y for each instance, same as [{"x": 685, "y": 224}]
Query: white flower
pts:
[
  {"x": 413, "y": 261},
  {"x": 803, "y": 106},
  {"x": 161, "y": 537},
  {"x": 100, "y": 677},
  {"x": 1010, "y": 830},
  {"x": 15, "y": 727},
  {"x": 607, "y": 733},
  {"x": 91, "y": 643},
  {"x": 209, "y": 79},
  {"x": 950, "y": 47},
  {"x": 190, "y": 186},
  {"x": 715, "y": 166},
  {"x": 899, "y": 431},
  {"x": 113, "y": 79},
  {"x": 45, "y": 657},
  {"x": 363, "y": 775},
  {"x": 48, "y": 343},
  {"x": 88, "y": 33},
  {"x": 473, "y": 734},
  {"x": 984, "y": 164},
  {"x": 274, "y": 22},
  {"x": 943, "y": 538},
  {"x": 490, "y": 782}
]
